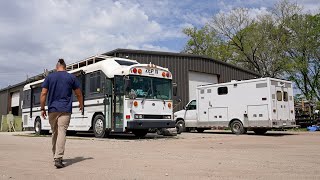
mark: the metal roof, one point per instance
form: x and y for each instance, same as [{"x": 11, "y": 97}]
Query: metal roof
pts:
[{"x": 120, "y": 50}]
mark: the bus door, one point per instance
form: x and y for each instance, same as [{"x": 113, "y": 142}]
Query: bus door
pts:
[{"x": 118, "y": 104}]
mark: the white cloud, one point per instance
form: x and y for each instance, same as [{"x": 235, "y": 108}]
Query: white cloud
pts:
[{"x": 34, "y": 34}]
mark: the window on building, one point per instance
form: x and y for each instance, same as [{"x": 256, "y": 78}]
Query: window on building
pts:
[{"x": 222, "y": 90}]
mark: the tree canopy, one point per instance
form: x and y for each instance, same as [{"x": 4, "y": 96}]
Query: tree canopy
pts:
[{"x": 282, "y": 43}]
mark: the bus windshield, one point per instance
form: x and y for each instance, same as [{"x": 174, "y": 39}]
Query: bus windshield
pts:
[{"x": 150, "y": 88}]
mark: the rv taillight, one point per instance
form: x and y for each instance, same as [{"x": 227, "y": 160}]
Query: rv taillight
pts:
[
  {"x": 134, "y": 70},
  {"x": 163, "y": 74},
  {"x": 140, "y": 71},
  {"x": 127, "y": 116},
  {"x": 135, "y": 103},
  {"x": 169, "y": 105},
  {"x": 291, "y": 111},
  {"x": 168, "y": 74}
]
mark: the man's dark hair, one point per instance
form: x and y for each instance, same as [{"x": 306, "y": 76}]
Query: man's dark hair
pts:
[{"x": 62, "y": 63}]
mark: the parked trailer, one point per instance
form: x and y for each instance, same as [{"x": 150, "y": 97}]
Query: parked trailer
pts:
[
  {"x": 120, "y": 95},
  {"x": 257, "y": 104}
]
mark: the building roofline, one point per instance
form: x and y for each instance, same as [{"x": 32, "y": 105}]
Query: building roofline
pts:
[{"x": 120, "y": 50}]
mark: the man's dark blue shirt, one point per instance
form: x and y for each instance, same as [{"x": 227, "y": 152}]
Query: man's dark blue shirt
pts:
[{"x": 60, "y": 85}]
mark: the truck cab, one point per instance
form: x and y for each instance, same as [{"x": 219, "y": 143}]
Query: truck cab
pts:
[{"x": 188, "y": 113}]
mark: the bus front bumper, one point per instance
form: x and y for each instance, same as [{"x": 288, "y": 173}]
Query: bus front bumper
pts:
[{"x": 150, "y": 123}]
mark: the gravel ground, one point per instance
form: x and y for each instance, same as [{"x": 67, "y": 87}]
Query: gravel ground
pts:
[{"x": 208, "y": 155}]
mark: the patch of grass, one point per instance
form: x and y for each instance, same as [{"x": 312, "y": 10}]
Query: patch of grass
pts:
[{"x": 298, "y": 129}]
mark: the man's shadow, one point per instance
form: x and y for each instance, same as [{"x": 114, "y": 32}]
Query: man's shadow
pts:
[{"x": 69, "y": 162}]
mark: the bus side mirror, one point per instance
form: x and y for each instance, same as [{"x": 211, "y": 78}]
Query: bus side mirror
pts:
[{"x": 175, "y": 89}]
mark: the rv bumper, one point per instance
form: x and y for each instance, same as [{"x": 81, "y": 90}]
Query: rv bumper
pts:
[
  {"x": 284, "y": 124},
  {"x": 146, "y": 124}
]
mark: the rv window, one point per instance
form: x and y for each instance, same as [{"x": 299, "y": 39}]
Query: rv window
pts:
[
  {"x": 208, "y": 90},
  {"x": 201, "y": 91},
  {"x": 285, "y": 96},
  {"x": 279, "y": 95},
  {"x": 192, "y": 105},
  {"x": 222, "y": 90}
]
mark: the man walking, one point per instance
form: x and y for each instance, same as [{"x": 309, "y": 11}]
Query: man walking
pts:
[{"x": 58, "y": 86}]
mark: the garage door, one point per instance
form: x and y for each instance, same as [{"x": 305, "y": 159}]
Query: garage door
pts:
[
  {"x": 15, "y": 99},
  {"x": 196, "y": 79}
]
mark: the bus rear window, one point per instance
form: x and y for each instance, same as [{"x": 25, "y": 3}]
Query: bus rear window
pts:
[{"x": 125, "y": 63}]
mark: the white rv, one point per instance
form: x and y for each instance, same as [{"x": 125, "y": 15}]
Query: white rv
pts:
[
  {"x": 120, "y": 95},
  {"x": 257, "y": 104}
]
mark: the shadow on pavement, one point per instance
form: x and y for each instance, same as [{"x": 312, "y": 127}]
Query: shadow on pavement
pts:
[
  {"x": 71, "y": 161},
  {"x": 125, "y": 136},
  {"x": 269, "y": 133}
]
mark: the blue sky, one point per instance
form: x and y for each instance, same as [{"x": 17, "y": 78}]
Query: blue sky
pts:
[{"x": 35, "y": 33}]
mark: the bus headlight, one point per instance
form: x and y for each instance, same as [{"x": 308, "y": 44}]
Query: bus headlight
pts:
[
  {"x": 166, "y": 117},
  {"x": 138, "y": 116}
]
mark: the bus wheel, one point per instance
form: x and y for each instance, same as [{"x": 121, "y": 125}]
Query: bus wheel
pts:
[
  {"x": 180, "y": 126},
  {"x": 140, "y": 133},
  {"x": 37, "y": 127},
  {"x": 237, "y": 127},
  {"x": 260, "y": 131},
  {"x": 99, "y": 127}
]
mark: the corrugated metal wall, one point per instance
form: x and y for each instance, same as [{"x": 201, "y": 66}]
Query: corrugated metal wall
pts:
[
  {"x": 3, "y": 103},
  {"x": 180, "y": 65}
]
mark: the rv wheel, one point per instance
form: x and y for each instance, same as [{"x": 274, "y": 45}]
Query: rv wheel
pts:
[
  {"x": 260, "y": 131},
  {"x": 237, "y": 127},
  {"x": 180, "y": 126},
  {"x": 38, "y": 129},
  {"x": 200, "y": 130},
  {"x": 99, "y": 127}
]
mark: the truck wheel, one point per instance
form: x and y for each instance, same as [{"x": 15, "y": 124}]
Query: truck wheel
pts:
[
  {"x": 38, "y": 129},
  {"x": 180, "y": 126},
  {"x": 140, "y": 133},
  {"x": 200, "y": 130},
  {"x": 260, "y": 131},
  {"x": 237, "y": 127},
  {"x": 99, "y": 127}
]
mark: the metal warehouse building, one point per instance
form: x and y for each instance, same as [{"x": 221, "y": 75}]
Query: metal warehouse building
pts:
[{"x": 188, "y": 71}]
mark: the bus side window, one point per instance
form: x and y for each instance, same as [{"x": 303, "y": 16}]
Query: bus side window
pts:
[
  {"x": 36, "y": 96},
  {"x": 94, "y": 85}
]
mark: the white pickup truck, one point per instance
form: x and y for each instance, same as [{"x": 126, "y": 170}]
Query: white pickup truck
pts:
[{"x": 257, "y": 104}]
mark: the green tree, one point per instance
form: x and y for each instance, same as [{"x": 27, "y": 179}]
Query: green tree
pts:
[
  {"x": 205, "y": 42},
  {"x": 304, "y": 53}
]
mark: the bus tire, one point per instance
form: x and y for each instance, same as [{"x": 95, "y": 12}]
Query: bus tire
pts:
[
  {"x": 260, "y": 131},
  {"x": 38, "y": 128},
  {"x": 99, "y": 127},
  {"x": 140, "y": 133},
  {"x": 180, "y": 126},
  {"x": 236, "y": 127}
]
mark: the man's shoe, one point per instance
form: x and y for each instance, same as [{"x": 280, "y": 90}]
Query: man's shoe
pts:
[{"x": 58, "y": 163}]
